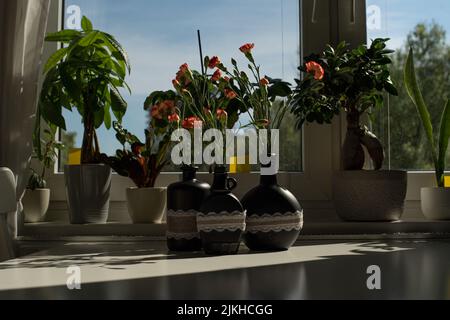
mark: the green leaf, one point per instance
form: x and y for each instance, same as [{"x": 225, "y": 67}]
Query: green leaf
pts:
[
  {"x": 416, "y": 96},
  {"x": 444, "y": 137},
  {"x": 52, "y": 113},
  {"x": 89, "y": 39},
  {"x": 55, "y": 59},
  {"x": 118, "y": 105},
  {"x": 63, "y": 36},
  {"x": 107, "y": 119},
  {"x": 86, "y": 24}
]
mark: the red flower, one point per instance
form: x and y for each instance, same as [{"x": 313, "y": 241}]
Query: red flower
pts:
[
  {"x": 265, "y": 123},
  {"x": 315, "y": 69},
  {"x": 176, "y": 83},
  {"x": 247, "y": 48},
  {"x": 230, "y": 94},
  {"x": 214, "y": 62},
  {"x": 221, "y": 114},
  {"x": 191, "y": 123},
  {"x": 264, "y": 82},
  {"x": 173, "y": 118},
  {"x": 184, "y": 68},
  {"x": 227, "y": 79},
  {"x": 217, "y": 75}
]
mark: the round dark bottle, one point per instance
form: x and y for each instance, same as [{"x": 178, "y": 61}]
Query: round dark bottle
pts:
[
  {"x": 184, "y": 200},
  {"x": 222, "y": 220},
  {"x": 274, "y": 216}
]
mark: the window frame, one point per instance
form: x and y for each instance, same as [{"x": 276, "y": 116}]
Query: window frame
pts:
[{"x": 321, "y": 22}]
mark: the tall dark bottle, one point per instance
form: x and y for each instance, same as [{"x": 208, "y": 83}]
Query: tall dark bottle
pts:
[
  {"x": 184, "y": 200},
  {"x": 222, "y": 220},
  {"x": 274, "y": 216}
]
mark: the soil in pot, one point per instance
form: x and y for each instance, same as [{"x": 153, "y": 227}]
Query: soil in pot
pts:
[
  {"x": 35, "y": 205},
  {"x": 88, "y": 193},
  {"x": 146, "y": 205}
]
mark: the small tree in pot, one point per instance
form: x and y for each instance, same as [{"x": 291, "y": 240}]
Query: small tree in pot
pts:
[
  {"x": 86, "y": 75},
  {"x": 354, "y": 81},
  {"x": 37, "y": 196},
  {"x": 143, "y": 162}
]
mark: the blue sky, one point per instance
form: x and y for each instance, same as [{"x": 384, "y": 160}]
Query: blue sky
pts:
[{"x": 160, "y": 35}]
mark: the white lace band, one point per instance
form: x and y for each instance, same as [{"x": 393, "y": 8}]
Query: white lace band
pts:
[
  {"x": 220, "y": 222},
  {"x": 277, "y": 222},
  {"x": 182, "y": 225}
]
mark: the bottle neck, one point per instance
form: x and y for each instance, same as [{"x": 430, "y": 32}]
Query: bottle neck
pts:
[
  {"x": 220, "y": 179},
  {"x": 269, "y": 180},
  {"x": 189, "y": 173}
]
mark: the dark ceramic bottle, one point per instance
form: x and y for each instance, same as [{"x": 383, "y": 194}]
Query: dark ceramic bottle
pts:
[
  {"x": 222, "y": 220},
  {"x": 184, "y": 200},
  {"x": 274, "y": 216}
]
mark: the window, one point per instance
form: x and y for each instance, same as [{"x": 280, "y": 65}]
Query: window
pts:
[
  {"x": 161, "y": 35},
  {"x": 423, "y": 26}
]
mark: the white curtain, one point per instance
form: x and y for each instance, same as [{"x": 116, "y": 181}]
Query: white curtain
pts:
[{"x": 22, "y": 30}]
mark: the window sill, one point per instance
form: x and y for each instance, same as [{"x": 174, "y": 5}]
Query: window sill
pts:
[{"x": 55, "y": 231}]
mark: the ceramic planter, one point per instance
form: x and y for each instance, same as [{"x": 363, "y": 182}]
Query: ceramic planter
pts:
[
  {"x": 146, "y": 205},
  {"x": 35, "y": 205},
  {"x": 436, "y": 203},
  {"x": 184, "y": 200},
  {"x": 274, "y": 217},
  {"x": 374, "y": 196},
  {"x": 88, "y": 193},
  {"x": 221, "y": 223}
]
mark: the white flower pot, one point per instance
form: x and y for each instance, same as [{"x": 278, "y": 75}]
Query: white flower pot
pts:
[
  {"x": 147, "y": 205},
  {"x": 436, "y": 203},
  {"x": 35, "y": 205}
]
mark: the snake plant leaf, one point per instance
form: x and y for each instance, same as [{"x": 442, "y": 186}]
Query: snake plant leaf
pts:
[
  {"x": 416, "y": 96},
  {"x": 444, "y": 137}
]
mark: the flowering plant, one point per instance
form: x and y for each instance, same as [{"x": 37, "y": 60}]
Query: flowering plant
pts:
[
  {"x": 354, "y": 81},
  {"x": 258, "y": 96},
  {"x": 143, "y": 162}
]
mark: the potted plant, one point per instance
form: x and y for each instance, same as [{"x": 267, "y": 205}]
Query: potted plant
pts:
[
  {"x": 37, "y": 196},
  {"x": 209, "y": 102},
  {"x": 435, "y": 200},
  {"x": 274, "y": 216},
  {"x": 143, "y": 162},
  {"x": 86, "y": 75},
  {"x": 355, "y": 82}
]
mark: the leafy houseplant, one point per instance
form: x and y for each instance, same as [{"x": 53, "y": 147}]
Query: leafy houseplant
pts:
[
  {"x": 435, "y": 201},
  {"x": 143, "y": 162},
  {"x": 37, "y": 197},
  {"x": 353, "y": 81},
  {"x": 86, "y": 74}
]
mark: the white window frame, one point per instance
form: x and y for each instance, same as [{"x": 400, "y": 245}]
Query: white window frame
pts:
[{"x": 323, "y": 21}]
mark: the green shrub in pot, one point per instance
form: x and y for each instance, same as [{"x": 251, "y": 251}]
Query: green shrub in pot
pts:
[
  {"x": 85, "y": 75},
  {"x": 143, "y": 162},
  {"x": 435, "y": 200},
  {"x": 353, "y": 81},
  {"x": 37, "y": 196}
]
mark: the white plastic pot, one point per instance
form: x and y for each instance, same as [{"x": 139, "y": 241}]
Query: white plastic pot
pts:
[
  {"x": 147, "y": 205},
  {"x": 436, "y": 203},
  {"x": 35, "y": 205}
]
